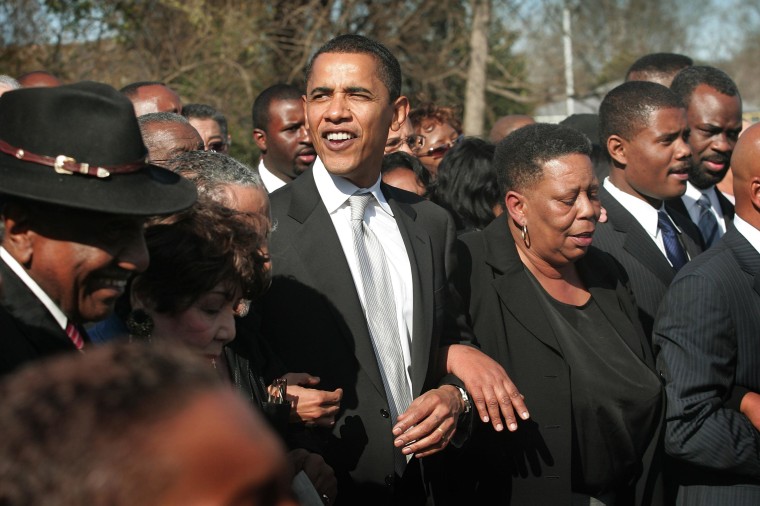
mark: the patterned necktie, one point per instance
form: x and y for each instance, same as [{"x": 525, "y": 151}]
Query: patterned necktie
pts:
[
  {"x": 708, "y": 223},
  {"x": 74, "y": 335},
  {"x": 673, "y": 248},
  {"x": 380, "y": 311}
]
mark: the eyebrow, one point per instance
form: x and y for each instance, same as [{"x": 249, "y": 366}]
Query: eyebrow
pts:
[
  {"x": 320, "y": 89},
  {"x": 349, "y": 89}
]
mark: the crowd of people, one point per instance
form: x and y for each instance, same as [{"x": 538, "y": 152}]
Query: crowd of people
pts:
[{"x": 382, "y": 311}]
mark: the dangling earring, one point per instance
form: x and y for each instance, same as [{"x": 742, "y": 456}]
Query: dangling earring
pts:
[
  {"x": 140, "y": 325},
  {"x": 525, "y": 235}
]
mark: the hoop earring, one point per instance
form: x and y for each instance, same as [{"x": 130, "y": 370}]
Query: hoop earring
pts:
[
  {"x": 140, "y": 325},
  {"x": 525, "y": 235}
]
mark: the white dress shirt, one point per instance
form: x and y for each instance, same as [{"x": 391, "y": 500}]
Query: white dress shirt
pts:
[
  {"x": 748, "y": 231},
  {"x": 18, "y": 269},
  {"x": 271, "y": 182},
  {"x": 378, "y": 216},
  {"x": 692, "y": 196},
  {"x": 642, "y": 212}
]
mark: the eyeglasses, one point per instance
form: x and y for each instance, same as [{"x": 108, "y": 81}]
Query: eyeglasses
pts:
[
  {"x": 217, "y": 146},
  {"x": 394, "y": 143},
  {"x": 436, "y": 151}
]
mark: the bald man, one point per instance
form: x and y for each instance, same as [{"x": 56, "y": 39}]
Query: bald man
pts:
[
  {"x": 39, "y": 79},
  {"x": 508, "y": 124},
  {"x": 706, "y": 340}
]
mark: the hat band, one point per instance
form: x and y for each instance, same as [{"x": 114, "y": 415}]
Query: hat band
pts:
[{"x": 66, "y": 165}]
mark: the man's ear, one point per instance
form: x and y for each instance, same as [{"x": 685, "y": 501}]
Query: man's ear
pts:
[
  {"x": 400, "y": 113},
  {"x": 754, "y": 185},
  {"x": 260, "y": 138},
  {"x": 18, "y": 238},
  {"x": 617, "y": 147}
]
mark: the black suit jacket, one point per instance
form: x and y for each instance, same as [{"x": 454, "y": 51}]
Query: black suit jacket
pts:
[
  {"x": 707, "y": 341},
  {"x": 29, "y": 331},
  {"x": 533, "y": 464},
  {"x": 648, "y": 269},
  {"x": 313, "y": 316},
  {"x": 726, "y": 207}
]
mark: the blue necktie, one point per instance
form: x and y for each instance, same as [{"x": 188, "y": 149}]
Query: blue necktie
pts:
[
  {"x": 708, "y": 223},
  {"x": 673, "y": 248}
]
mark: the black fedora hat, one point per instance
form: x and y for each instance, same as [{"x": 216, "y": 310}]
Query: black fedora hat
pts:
[{"x": 79, "y": 146}]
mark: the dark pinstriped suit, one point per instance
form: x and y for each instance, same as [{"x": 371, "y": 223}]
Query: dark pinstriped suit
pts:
[
  {"x": 649, "y": 271},
  {"x": 707, "y": 341}
]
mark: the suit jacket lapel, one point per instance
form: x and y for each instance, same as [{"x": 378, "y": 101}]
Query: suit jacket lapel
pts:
[
  {"x": 417, "y": 242},
  {"x": 637, "y": 241},
  {"x": 512, "y": 284},
  {"x": 746, "y": 255},
  {"x": 39, "y": 326},
  {"x": 318, "y": 246},
  {"x": 725, "y": 205}
]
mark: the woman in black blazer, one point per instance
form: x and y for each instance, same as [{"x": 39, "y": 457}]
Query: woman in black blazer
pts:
[{"x": 558, "y": 315}]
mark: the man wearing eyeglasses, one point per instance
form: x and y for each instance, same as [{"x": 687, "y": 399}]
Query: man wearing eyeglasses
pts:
[
  {"x": 404, "y": 140},
  {"x": 210, "y": 124}
]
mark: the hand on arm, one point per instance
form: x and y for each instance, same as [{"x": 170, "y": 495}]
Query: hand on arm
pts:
[
  {"x": 311, "y": 406},
  {"x": 491, "y": 390},
  {"x": 429, "y": 423}
]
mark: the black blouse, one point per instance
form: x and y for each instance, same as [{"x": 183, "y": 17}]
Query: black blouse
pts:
[{"x": 616, "y": 399}]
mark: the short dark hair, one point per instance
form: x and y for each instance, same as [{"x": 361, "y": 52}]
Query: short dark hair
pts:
[
  {"x": 74, "y": 427},
  {"x": 658, "y": 64},
  {"x": 130, "y": 90},
  {"x": 193, "y": 251},
  {"x": 205, "y": 111},
  {"x": 260, "y": 110},
  {"x": 627, "y": 108},
  {"x": 160, "y": 117},
  {"x": 688, "y": 79},
  {"x": 411, "y": 162},
  {"x": 212, "y": 172},
  {"x": 438, "y": 113},
  {"x": 520, "y": 157},
  {"x": 389, "y": 70},
  {"x": 466, "y": 185}
]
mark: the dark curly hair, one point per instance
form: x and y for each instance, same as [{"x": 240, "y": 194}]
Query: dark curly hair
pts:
[
  {"x": 466, "y": 184},
  {"x": 438, "y": 113},
  {"x": 193, "y": 251},
  {"x": 520, "y": 157},
  {"x": 74, "y": 427},
  {"x": 627, "y": 108}
]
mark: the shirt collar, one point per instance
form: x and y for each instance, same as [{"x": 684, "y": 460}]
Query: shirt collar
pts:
[
  {"x": 336, "y": 190},
  {"x": 36, "y": 289},
  {"x": 644, "y": 213},
  {"x": 693, "y": 194},
  {"x": 271, "y": 182},
  {"x": 748, "y": 231}
]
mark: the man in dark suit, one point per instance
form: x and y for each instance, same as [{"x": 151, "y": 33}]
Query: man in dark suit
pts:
[
  {"x": 706, "y": 342},
  {"x": 643, "y": 126},
  {"x": 75, "y": 193},
  {"x": 322, "y": 309},
  {"x": 714, "y": 116}
]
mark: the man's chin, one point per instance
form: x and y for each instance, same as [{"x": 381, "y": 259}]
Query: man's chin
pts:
[{"x": 704, "y": 178}]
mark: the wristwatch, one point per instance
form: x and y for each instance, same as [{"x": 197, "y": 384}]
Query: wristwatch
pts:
[{"x": 465, "y": 399}]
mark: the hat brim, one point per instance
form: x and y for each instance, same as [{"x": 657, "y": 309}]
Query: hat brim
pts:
[{"x": 149, "y": 191}]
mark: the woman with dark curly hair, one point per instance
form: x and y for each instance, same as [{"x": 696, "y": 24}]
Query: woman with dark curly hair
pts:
[
  {"x": 206, "y": 263},
  {"x": 437, "y": 129},
  {"x": 467, "y": 186}
]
